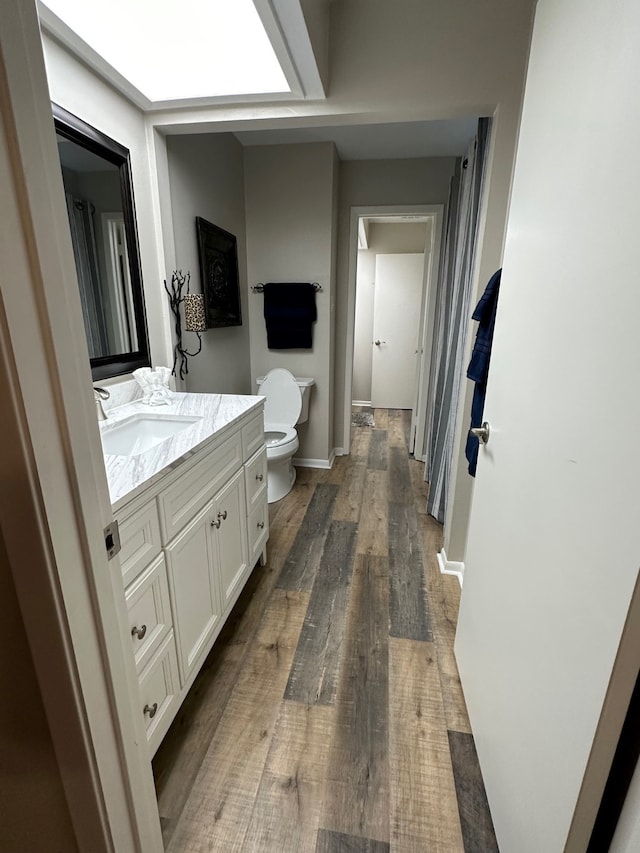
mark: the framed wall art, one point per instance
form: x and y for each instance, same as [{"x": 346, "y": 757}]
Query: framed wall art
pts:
[{"x": 218, "y": 255}]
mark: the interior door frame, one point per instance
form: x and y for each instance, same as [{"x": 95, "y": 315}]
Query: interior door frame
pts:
[
  {"x": 56, "y": 486},
  {"x": 436, "y": 212}
]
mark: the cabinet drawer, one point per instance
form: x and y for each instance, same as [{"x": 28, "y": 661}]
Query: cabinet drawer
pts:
[
  {"x": 258, "y": 529},
  {"x": 159, "y": 689},
  {"x": 255, "y": 478},
  {"x": 253, "y": 436},
  {"x": 180, "y": 502},
  {"x": 149, "y": 611},
  {"x": 140, "y": 541}
]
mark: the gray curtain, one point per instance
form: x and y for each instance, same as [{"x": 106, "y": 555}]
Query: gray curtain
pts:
[
  {"x": 453, "y": 312},
  {"x": 83, "y": 240}
]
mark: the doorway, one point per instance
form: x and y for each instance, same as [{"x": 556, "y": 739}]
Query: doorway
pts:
[{"x": 393, "y": 260}]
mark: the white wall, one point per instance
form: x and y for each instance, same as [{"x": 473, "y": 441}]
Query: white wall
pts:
[
  {"x": 386, "y": 238},
  {"x": 290, "y": 201},
  {"x": 206, "y": 176},
  {"x": 377, "y": 182},
  {"x": 74, "y": 87}
]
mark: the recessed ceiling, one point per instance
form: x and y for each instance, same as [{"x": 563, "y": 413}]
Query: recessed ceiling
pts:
[
  {"x": 377, "y": 141},
  {"x": 179, "y": 50}
]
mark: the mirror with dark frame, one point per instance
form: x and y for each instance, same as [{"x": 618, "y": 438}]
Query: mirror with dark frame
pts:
[{"x": 96, "y": 173}]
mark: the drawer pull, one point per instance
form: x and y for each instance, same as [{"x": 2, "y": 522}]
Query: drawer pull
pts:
[
  {"x": 222, "y": 515},
  {"x": 216, "y": 523},
  {"x": 150, "y": 710},
  {"x": 260, "y": 477},
  {"x": 261, "y": 524},
  {"x": 138, "y": 632}
]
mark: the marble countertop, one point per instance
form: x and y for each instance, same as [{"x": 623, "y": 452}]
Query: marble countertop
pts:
[{"x": 128, "y": 476}]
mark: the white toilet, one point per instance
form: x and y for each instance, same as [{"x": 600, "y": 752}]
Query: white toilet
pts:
[{"x": 286, "y": 404}]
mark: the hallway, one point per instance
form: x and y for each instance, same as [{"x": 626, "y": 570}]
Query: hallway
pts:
[{"x": 329, "y": 715}]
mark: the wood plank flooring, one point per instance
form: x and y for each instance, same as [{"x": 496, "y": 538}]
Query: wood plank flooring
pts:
[{"x": 329, "y": 717}]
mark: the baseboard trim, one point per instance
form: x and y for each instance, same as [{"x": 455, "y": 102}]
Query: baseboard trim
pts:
[
  {"x": 361, "y": 403},
  {"x": 339, "y": 451},
  {"x": 315, "y": 463},
  {"x": 450, "y": 567}
]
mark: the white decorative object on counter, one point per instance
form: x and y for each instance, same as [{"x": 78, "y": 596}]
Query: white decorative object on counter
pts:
[{"x": 155, "y": 385}]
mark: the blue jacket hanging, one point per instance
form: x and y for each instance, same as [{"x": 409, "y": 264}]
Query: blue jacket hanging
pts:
[{"x": 478, "y": 369}]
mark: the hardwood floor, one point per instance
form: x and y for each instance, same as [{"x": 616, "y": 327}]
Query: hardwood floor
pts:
[{"x": 329, "y": 716}]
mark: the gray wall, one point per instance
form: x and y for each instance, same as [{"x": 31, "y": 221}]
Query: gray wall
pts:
[
  {"x": 290, "y": 203},
  {"x": 383, "y": 183},
  {"x": 384, "y": 238},
  {"x": 206, "y": 176},
  {"x": 316, "y": 16}
]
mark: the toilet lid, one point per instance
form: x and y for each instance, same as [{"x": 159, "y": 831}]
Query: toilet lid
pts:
[{"x": 283, "y": 402}]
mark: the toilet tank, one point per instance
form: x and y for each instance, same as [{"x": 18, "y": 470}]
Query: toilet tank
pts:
[{"x": 304, "y": 383}]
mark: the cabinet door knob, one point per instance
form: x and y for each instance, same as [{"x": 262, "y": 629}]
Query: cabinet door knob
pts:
[
  {"x": 216, "y": 523},
  {"x": 222, "y": 515},
  {"x": 260, "y": 477},
  {"x": 138, "y": 632},
  {"x": 261, "y": 524},
  {"x": 150, "y": 710}
]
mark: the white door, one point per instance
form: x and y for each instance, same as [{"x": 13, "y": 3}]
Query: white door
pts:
[
  {"x": 396, "y": 321},
  {"x": 554, "y": 548}
]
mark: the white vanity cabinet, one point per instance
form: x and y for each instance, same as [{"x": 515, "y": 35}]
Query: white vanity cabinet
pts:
[
  {"x": 189, "y": 543},
  {"x": 207, "y": 563}
]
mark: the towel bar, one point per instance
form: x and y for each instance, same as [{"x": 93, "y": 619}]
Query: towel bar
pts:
[{"x": 259, "y": 288}]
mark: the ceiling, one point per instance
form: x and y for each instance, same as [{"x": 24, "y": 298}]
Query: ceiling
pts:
[
  {"x": 354, "y": 141},
  {"x": 173, "y": 51},
  {"x": 377, "y": 141}
]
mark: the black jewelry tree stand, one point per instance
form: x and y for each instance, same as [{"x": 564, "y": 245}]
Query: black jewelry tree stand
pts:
[{"x": 176, "y": 298}]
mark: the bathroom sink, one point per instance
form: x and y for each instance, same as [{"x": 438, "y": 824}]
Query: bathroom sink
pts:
[{"x": 139, "y": 433}]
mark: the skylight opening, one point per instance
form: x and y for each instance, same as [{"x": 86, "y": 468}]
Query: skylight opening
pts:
[{"x": 179, "y": 49}]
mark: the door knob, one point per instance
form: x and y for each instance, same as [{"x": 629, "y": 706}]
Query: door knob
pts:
[
  {"x": 377, "y": 343},
  {"x": 138, "y": 632},
  {"x": 482, "y": 432}
]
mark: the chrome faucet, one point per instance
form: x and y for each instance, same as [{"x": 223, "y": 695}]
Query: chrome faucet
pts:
[{"x": 100, "y": 394}]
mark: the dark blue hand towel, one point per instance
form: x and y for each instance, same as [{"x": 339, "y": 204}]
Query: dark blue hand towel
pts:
[
  {"x": 289, "y": 314},
  {"x": 478, "y": 369}
]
